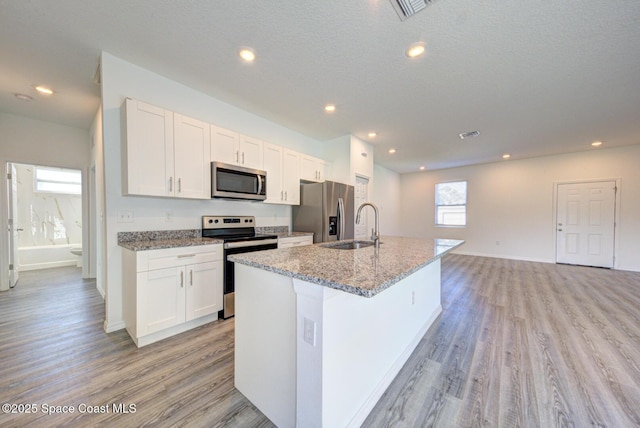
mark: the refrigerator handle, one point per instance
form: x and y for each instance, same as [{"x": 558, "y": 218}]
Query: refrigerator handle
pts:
[{"x": 340, "y": 219}]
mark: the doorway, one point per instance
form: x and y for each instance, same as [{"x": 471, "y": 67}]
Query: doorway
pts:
[
  {"x": 585, "y": 223},
  {"x": 13, "y": 228},
  {"x": 45, "y": 218}
]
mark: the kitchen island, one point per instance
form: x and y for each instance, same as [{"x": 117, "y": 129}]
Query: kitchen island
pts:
[{"x": 321, "y": 332}]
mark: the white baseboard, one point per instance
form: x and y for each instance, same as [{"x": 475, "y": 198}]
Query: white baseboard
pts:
[
  {"x": 530, "y": 259},
  {"x": 110, "y": 327},
  {"x": 502, "y": 256}
]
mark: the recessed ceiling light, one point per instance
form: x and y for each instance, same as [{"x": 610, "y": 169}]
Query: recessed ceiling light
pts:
[
  {"x": 23, "y": 97},
  {"x": 247, "y": 54},
  {"x": 422, "y": 168},
  {"x": 330, "y": 108},
  {"x": 506, "y": 156},
  {"x": 392, "y": 151},
  {"x": 415, "y": 50},
  {"x": 372, "y": 135},
  {"x": 596, "y": 143},
  {"x": 44, "y": 90},
  {"x": 469, "y": 134}
]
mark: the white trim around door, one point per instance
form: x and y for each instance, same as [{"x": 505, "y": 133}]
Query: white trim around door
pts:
[{"x": 585, "y": 220}]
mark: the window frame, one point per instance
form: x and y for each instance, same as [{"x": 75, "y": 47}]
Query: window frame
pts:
[
  {"x": 61, "y": 182},
  {"x": 437, "y": 206}
]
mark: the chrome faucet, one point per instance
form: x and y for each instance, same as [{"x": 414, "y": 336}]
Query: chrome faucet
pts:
[{"x": 375, "y": 234}]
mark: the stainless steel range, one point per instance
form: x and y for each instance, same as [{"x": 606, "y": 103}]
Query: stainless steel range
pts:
[{"x": 239, "y": 236}]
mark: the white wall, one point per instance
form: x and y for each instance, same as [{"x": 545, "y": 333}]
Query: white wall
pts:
[
  {"x": 31, "y": 141},
  {"x": 512, "y": 202},
  {"x": 386, "y": 195},
  {"x": 98, "y": 204},
  {"x": 346, "y": 156},
  {"x": 121, "y": 79}
]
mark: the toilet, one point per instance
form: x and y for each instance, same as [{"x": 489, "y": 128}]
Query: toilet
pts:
[{"x": 77, "y": 251}]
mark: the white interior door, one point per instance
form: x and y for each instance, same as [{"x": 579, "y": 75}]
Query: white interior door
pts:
[
  {"x": 13, "y": 225},
  {"x": 585, "y": 223},
  {"x": 361, "y": 196}
]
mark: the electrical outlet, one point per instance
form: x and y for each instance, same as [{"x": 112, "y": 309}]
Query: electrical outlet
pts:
[
  {"x": 310, "y": 331},
  {"x": 497, "y": 242},
  {"x": 168, "y": 216},
  {"x": 125, "y": 217}
]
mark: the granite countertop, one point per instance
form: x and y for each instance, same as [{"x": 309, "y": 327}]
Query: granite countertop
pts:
[
  {"x": 159, "y": 244},
  {"x": 158, "y": 240},
  {"x": 361, "y": 271}
]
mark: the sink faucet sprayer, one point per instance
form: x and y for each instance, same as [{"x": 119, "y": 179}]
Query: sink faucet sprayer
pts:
[{"x": 375, "y": 234}]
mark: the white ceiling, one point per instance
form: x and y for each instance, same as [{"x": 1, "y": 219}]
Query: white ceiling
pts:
[{"x": 535, "y": 77}]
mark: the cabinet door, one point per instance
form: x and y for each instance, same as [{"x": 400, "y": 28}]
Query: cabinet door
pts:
[
  {"x": 149, "y": 150},
  {"x": 291, "y": 177},
  {"x": 204, "y": 289},
  {"x": 272, "y": 164},
  {"x": 313, "y": 169},
  {"x": 308, "y": 169},
  {"x": 191, "y": 153},
  {"x": 225, "y": 145},
  {"x": 251, "y": 150},
  {"x": 161, "y": 299},
  {"x": 323, "y": 170}
]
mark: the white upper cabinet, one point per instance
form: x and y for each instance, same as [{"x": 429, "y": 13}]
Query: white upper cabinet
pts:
[
  {"x": 147, "y": 150},
  {"x": 283, "y": 178},
  {"x": 313, "y": 169},
  {"x": 165, "y": 154},
  {"x": 273, "y": 166},
  {"x": 235, "y": 149},
  {"x": 291, "y": 176},
  {"x": 224, "y": 145},
  {"x": 250, "y": 152},
  {"x": 191, "y": 158}
]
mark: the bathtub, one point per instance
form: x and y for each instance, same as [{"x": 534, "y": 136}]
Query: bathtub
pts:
[{"x": 47, "y": 256}]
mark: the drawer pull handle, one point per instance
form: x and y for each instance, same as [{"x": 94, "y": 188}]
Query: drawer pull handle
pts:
[{"x": 183, "y": 256}]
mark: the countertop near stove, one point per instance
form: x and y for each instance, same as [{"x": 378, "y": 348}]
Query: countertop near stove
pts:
[
  {"x": 162, "y": 239},
  {"x": 361, "y": 271}
]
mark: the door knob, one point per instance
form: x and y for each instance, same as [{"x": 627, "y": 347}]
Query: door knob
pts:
[{"x": 559, "y": 230}]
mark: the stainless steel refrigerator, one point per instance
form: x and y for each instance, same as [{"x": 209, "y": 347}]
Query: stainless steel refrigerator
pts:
[{"x": 327, "y": 210}]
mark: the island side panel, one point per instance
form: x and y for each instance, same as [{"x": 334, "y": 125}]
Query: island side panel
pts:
[
  {"x": 361, "y": 346},
  {"x": 265, "y": 342}
]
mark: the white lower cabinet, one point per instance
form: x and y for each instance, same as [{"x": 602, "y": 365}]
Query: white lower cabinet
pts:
[
  {"x": 295, "y": 241},
  {"x": 169, "y": 291}
]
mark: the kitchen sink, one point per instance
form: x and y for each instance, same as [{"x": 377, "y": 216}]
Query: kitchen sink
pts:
[{"x": 351, "y": 245}]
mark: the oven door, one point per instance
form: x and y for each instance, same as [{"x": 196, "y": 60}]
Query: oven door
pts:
[
  {"x": 235, "y": 182},
  {"x": 229, "y": 270}
]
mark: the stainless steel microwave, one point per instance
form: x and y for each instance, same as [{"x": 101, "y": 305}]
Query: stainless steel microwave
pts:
[{"x": 237, "y": 182}]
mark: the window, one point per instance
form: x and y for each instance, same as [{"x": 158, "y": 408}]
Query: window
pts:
[
  {"x": 57, "y": 180},
  {"x": 451, "y": 204}
]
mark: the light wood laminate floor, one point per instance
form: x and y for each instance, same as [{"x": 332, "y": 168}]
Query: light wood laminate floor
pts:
[{"x": 518, "y": 344}]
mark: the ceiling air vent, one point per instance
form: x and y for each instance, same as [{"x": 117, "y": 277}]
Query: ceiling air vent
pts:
[
  {"x": 407, "y": 8},
  {"x": 469, "y": 134}
]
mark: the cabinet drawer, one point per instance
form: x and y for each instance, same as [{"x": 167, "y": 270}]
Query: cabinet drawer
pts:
[{"x": 173, "y": 257}]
